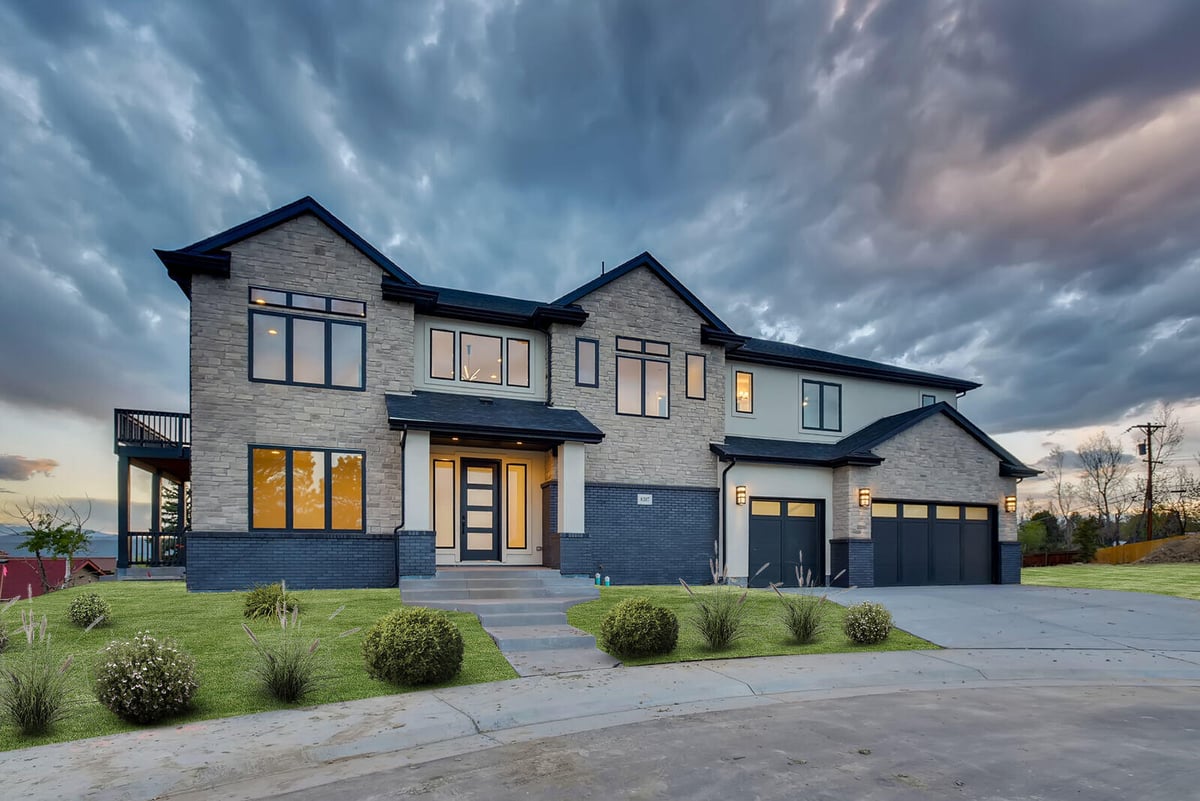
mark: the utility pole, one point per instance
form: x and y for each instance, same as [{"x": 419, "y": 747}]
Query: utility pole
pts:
[{"x": 1148, "y": 504}]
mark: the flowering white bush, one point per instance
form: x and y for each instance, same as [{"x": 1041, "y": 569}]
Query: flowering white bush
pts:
[
  {"x": 144, "y": 680},
  {"x": 868, "y": 623}
]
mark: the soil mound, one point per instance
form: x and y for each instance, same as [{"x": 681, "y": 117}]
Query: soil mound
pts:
[{"x": 1176, "y": 551}]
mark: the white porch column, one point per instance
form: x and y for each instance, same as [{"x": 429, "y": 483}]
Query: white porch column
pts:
[
  {"x": 416, "y": 482},
  {"x": 570, "y": 488}
]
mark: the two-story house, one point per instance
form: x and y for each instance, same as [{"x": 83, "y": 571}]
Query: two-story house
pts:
[{"x": 350, "y": 425}]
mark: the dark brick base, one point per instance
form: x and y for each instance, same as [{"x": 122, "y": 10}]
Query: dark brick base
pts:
[
  {"x": 305, "y": 560},
  {"x": 550, "y": 544},
  {"x": 856, "y": 558},
  {"x": 657, "y": 544},
  {"x": 1010, "y": 562},
  {"x": 416, "y": 554},
  {"x": 575, "y": 550}
]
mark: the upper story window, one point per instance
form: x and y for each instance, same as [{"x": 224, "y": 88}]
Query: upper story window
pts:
[
  {"x": 587, "y": 362},
  {"x": 928, "y": 400},
  {"x": 696, "y": 388},
  {"x": 821, "y": 406},
  {"x": 306, "y": 489},
  {"x": 300, "y": 300},
  {"x": 643, "y": 384},
  {"x": 478, "y": 358},
  {"x": 743, "y": 392},
  {"x": 311, "y": 351}
]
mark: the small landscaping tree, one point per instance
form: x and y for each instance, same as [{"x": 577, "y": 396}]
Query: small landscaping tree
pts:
[{"x": 56, "y": 529}]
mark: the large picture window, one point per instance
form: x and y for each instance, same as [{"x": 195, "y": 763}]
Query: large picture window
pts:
[
  {"x": 306, "y": 489},
  {"x": 289, "y": 349},
  {"x": 821, "y": 406},
  {"x": 481, "y": 359},
  {"x": 643, "y": 387}
]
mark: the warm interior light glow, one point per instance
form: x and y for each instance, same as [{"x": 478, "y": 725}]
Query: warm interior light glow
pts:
[
  {"x": 520, "y": 443},
  {"x": 454, "y": 439},
  {"x": 276, "y": 453},
  {"x": 739, "y": 493},
  {"x": 864, "y": 496},
  {"x": 1010, "y": 503},
  {"x": 272, "y": 331},
  {"x": 260, "y": 301}
]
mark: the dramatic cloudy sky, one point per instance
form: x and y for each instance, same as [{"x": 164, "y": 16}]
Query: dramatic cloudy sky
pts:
[{"x": 1004, "y": 191}]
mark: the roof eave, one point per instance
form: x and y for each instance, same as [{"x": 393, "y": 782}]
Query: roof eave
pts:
[
  {"x": 925, "y": 380},
  {"x": 181, "y": 266},
  {"x": 466, "y": 429}
]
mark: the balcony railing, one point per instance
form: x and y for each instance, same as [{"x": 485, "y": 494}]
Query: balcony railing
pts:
[
  {"x": 154, "y": 549},
  {"x": 138, "y": 428}
]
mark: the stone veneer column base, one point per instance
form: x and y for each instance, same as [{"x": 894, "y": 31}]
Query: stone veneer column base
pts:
[
  {"x": 857, "y": 558},
  {"x": 1010, "y": 562},
  {"x": 416, "y": 554}
]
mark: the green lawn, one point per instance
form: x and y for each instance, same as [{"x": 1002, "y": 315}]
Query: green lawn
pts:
[
  {"x": 1182, "y": 580},
  {"x": 765, "y": 635},
  {"x": 209, "y": 626}
]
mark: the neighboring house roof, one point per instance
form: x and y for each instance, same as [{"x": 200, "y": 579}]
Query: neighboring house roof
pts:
[
  {"x": 649, "y": 262},
  {"x": 858, "y": 447},
  {"x": 471, "y": 415},
  {"x": 206, "y": 256},
  {"x": 765, "y": 351}
]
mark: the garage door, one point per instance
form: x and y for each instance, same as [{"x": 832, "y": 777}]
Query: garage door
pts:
[
  {"x": 781, "y": 529},
  {"x": 927, "y": 543}
]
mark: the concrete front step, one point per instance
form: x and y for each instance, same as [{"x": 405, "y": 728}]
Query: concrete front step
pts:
[
  {"x": 540, "y": 638},
  {"x": 489, "y": 619},
  {"x": 471, "y": 593},
  {"x": 551, "y": 661}
]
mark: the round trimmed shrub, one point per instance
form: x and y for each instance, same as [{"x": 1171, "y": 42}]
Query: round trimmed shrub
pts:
[
  {"x": 145, "y": 679},
  {"x": 867, "y": 623},
  {"x": 265, "y": 600},
  {"x": 88, "y": 608},
  {"x": 637, "y": 627},
  {"x": 413, "y": 645}
]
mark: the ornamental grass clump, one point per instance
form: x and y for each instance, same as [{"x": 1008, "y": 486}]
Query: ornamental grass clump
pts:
[
  {"x": 636, "y": 627},
  {"x": 89, "y": 610},
  {"x": 263, "y": 599},
  {"x": 287, "y": 668},
  {"x": 413, "y": 645},
  {"x": 867, "y": 623},
  {"x": 803, "y": 612},
  {"x": 144, "y": 680},
  {"x": 33, "y": 687},
  {"x": 719, "y": 614}
]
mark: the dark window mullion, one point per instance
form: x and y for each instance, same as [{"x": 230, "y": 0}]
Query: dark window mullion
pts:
[
  {"x": 328, "y": 352},
  {"x": 287, "y": 483},
  {"x": 287, "y": 345}
]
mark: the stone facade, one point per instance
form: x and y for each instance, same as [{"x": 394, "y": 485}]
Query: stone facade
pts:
[
  {"x": 661, "y": 451},
  {"x": 230, "y": 412}
]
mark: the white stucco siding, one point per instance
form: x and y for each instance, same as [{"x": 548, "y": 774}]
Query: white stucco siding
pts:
[
  {"x": 777, "y": 402},
  {"x": 771, "y": 481},
  {"x": 537, "y": 359}
]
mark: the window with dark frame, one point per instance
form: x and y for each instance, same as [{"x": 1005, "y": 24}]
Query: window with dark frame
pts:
[
  {"x": 643, "y": 387},
  {"x": 300, "y": 300},
  {"x": 928, "y": 400},
  {"x": 306, "y": 489},
  {"x": 517, "y": 513},
  {"x": 587, "y": 362},
  {"x": 821, "y": 406},
  {"x": 443, "y": 503},
  {"x": 696, "y": 379},
  {"x": 743, "y": 392},
  {"x": 518, "y": 362},
  {"x": 649, "y": 347},
  {"x": 480, "y": 357},
  {"x": 308, "y": 351},
  {"x": 441, "y": 354}
]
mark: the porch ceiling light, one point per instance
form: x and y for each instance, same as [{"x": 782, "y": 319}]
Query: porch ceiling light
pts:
[
  {"x": 864, "y": 496},
  {"x": 1010, "y": 503},
  {"x": 739, "y": 494}
]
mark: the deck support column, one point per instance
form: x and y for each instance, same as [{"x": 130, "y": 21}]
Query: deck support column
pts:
[{"x": 122, "y": 512}]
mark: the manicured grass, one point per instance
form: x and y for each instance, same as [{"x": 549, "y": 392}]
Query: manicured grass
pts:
[
  {"x": 1182, "y": 580},
  {"x": 765, "y": 633},
  {"x": 209, "y": 627}
]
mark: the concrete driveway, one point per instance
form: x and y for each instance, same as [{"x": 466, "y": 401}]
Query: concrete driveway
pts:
[{"x": 1014, "y": 616}]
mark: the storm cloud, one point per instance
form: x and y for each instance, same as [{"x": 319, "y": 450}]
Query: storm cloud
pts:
[{"x": 1005, "y": 192}]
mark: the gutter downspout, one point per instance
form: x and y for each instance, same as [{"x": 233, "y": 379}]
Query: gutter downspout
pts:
[
  {"x": 724, "y": 511},
  {"x": 396, "y": 530}
]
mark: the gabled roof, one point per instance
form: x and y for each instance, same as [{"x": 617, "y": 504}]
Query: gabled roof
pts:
[
  {"x": 206, "y": 256},
  {"x": 858, "y": 447},
  {"x": 783, "y": 354},
  {"x": 652, "y": 264},
  {"x": 474, "y": 416}
]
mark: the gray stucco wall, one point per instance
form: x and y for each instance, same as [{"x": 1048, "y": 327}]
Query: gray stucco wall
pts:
[
  {"x": 229, "y": 411},
  {"x": 671, "y": 451}
]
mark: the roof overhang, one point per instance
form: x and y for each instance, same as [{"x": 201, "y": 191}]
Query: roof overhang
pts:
[
  {"x": 427, "y": 300},
  {"x": 181, "y": 266},
  {"x": 924, "y": 380},
  {"x": 500, "y": 420}
]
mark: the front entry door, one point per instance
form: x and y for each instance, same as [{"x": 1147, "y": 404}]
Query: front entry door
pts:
[{"x": 480, "y": 521}]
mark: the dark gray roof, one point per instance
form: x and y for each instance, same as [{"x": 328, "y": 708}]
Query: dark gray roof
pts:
[
  {"x": 858, "y": 447},
  {"x": 471, "y": 415},
  {"x": 481, "y": 300},
  {"x": 785, "y": 354}
]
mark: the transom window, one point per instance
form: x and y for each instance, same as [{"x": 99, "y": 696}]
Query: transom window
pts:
[
  {"x": 305, "y": 489},
  {"x": 743, "y": 392},
  {"x": 648, "y": 346},
  {"x": 291, "y": 349},
  {"x": 821, "y": 406},
  {"x": 643, "y": 387},
  {"x": 478, "y": 358},
  {"x": 300, "y": 300}
]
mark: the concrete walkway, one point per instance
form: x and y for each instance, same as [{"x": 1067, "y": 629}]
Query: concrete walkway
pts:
[{"x": 264, "y": 755}]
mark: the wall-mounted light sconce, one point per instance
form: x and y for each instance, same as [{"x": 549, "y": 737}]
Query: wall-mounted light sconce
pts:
[
  {"x": 1010, "y": 503},
  {"x": 739, "y": 494},
  {"x": 864, "y": 496}
]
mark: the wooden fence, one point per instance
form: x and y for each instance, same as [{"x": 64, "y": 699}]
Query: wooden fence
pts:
[{"x": 1130, "y": 551}]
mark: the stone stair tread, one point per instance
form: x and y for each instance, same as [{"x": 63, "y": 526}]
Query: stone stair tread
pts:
[{"x": 551, "y": 661}]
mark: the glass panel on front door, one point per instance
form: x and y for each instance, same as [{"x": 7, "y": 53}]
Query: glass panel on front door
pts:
[{"x": 481, "y": 510}]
